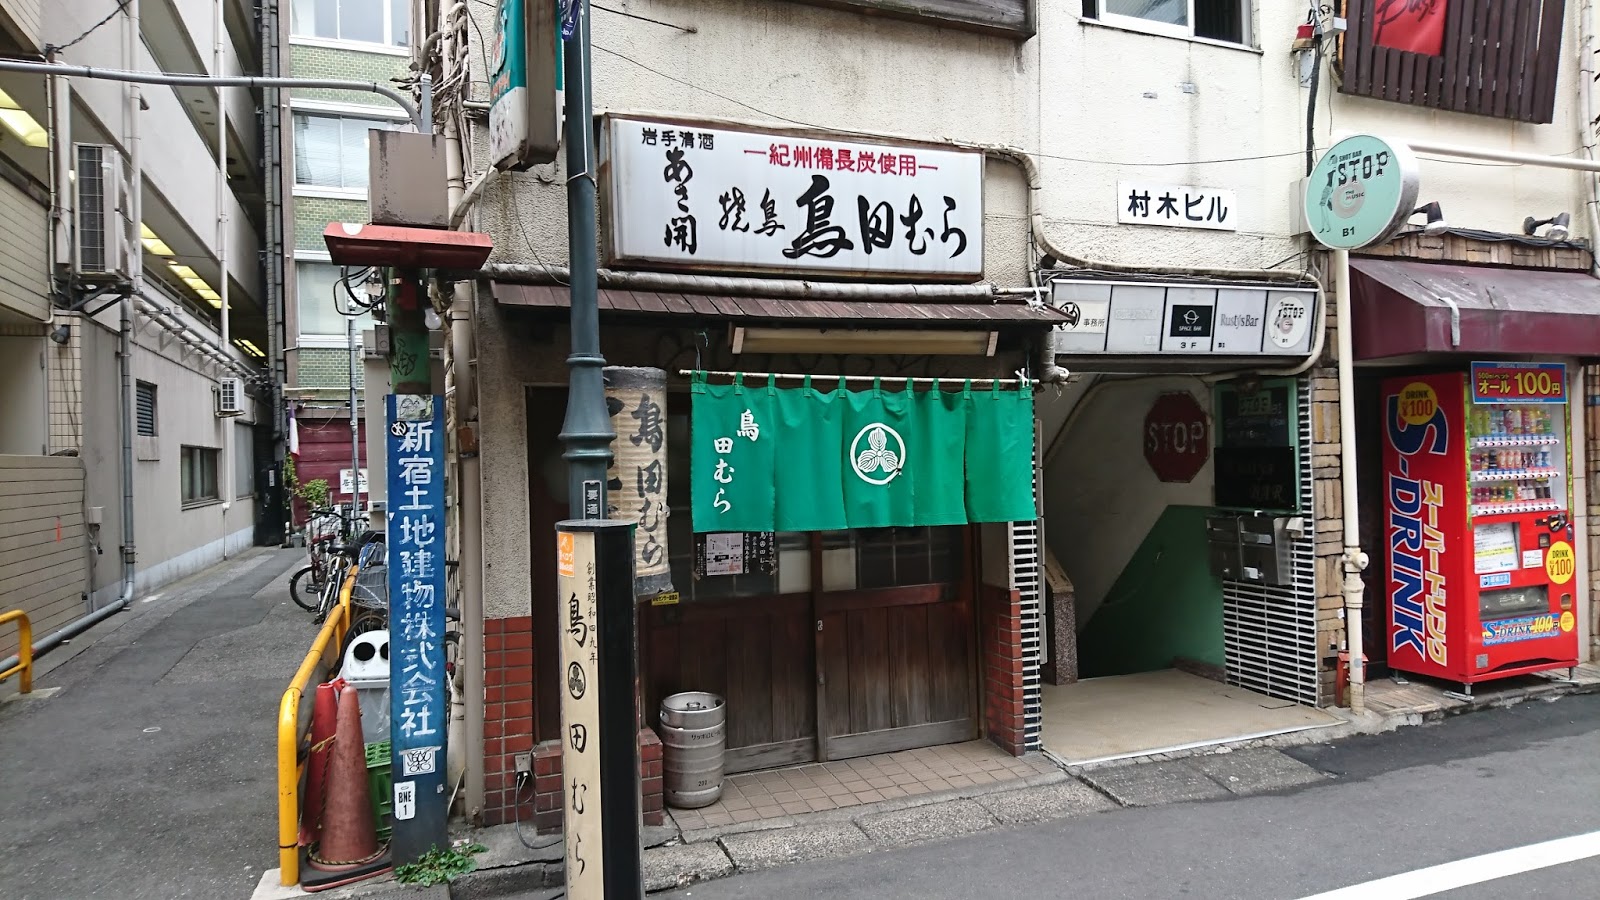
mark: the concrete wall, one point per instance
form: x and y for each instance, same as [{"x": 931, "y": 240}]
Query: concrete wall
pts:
[
  {"x": 1100, "y": 497},
  {"x": 172, "y": 540},
  {"x": 22, "y": 395},
  {"x": 1112, "y": 118},
  {"x": 786, "y": 64}
]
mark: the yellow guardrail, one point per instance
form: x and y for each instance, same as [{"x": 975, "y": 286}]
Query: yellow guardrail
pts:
[
  {"x": 291, "y": 735},
  {"x": 25, "y": 649}
]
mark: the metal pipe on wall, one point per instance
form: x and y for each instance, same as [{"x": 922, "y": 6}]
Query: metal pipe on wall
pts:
[
  {"x": 193, "y": 80},
  {"x": 469, "y": 489},
  {"x": 1355, "y": 559},
  {"x": 136, "y": 273},
  {"x": 227, "y": 488}
]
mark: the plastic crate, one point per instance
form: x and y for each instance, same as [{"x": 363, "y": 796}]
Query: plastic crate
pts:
[{"x": 380, "y": 783}]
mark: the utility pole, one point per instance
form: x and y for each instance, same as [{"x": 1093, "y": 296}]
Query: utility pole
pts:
[
  {"x": 355, "y": 420},
  {"x": 586, "y": 432}
]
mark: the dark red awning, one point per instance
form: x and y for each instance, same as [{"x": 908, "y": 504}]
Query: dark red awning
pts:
[{"x": 1403, "y": 308}]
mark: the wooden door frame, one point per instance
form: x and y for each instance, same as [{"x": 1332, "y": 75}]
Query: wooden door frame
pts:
[{"x": 964, "y": 590}]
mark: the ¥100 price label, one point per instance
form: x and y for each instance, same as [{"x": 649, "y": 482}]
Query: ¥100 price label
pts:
[{"x": 1498, "y": 382}]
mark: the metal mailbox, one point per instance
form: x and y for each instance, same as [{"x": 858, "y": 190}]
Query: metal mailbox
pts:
[{"x": 1251, "y": 547}]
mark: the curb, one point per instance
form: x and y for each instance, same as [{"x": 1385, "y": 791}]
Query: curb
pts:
[{"x": 705, "y": 854}]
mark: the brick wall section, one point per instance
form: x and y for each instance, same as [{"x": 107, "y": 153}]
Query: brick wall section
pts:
[
  {"x": 1591, "y": 472},
  {"x": 1328, "y": 505},
  {"x": 306, "y": 61},
  {"x": 508, "y": 731},
  {"x": 312, "y": 215},
  {"x": 1000, "y": 625},
  {"x": 322, "y": 368}
]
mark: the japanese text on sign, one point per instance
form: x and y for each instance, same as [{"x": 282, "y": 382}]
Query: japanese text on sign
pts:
[
  {"x": 416, "y": 570},
  {"x": 696, "y": 196},
  {"x": 1494, "y": 382},
  {"x": 637, "y": 474},
  {"x": 580, "y": 711},
  {"x": 1180, "y": 206},
  {"x": 1418, "y": 430}
]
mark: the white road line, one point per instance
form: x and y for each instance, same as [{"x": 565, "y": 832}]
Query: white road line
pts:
[{"x": 1473, "y": 870}]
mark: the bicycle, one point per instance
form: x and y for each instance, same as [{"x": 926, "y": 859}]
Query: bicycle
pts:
[{"x": 326, "y": 531}]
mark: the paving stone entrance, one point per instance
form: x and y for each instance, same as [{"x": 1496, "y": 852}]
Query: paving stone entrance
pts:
[{"x": 776, "y": 793}]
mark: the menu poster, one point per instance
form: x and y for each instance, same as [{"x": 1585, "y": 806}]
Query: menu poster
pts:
[{"x": 735, "y": 553}]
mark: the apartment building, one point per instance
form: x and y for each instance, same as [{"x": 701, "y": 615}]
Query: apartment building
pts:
[
  {"x": 133, "y": 317},
  {"x": 325, "y": 180}
]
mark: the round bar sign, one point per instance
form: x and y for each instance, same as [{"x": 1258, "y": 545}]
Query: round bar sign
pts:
[
  {"x": 1361, "y": 192},
  {"x": 1177, "y": 437}
]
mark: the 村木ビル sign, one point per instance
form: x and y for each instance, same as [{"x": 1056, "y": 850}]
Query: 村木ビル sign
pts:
[
  {"x": 1361, "y": 192},
  {"x": 1176, "y": 205},
  {"x": 686, "y": 195}
]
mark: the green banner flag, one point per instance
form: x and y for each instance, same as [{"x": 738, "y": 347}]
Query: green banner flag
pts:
[
  {"x": 732, "y": 438},
  {"x": 810, "y": 486},
  {"x": 798, "y": 459},
  {"x": 879, "y": 485},
  {"x": 1000, "y": 456}
]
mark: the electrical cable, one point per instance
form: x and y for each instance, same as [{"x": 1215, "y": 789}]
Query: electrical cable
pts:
[
  {"x": 548, "y": 840},
  {"x": 1037, "y": 154},
  {"x": 122, "y": 6}
]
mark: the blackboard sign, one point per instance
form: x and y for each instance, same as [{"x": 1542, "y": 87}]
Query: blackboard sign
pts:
[{"x": 1257, "y": 459}]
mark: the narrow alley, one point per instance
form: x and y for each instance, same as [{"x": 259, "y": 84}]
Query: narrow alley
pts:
[{"x": 141, "y": 767}]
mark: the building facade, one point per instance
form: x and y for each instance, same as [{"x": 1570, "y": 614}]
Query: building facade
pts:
[
  {"x": 324, "y": 179},
  {"x": 133, "y": 218},
  {"x": 1141, "y": 228}
]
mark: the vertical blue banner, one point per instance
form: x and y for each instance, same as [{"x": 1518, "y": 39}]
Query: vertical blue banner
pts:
[{"x": 419, "y": 708}]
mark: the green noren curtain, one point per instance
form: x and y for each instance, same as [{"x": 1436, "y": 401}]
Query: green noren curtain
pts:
[{"x": 800, "y": 459}]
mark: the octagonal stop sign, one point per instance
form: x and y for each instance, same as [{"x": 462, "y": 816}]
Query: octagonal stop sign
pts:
[{"x": 1177, "y": 439}]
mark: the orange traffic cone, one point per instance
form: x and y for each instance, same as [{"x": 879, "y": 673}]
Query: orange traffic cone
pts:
[
  {"x": 324, "y": 713},
  {"x": 348, "y": 850}
]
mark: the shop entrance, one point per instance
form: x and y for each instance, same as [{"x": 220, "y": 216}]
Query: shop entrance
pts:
[
  {"x": 861, "y": 666},
  {"x": 1154, "y": 651},
  {"x": 826, "y": 645}
]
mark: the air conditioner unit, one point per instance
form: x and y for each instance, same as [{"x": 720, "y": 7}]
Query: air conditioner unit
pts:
[
  {"x": 230, "y": 397},
  {"x": 100, "y": 229}
]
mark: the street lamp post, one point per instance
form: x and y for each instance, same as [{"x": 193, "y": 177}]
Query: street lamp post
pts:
[{"x": 586, "y": 431}]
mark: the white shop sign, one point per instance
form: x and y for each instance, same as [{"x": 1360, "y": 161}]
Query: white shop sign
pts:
[
  {"x": 1149, "y": 318},
  {"x": 711, "y": 197},
  {"x": 1176, "y": 206}
]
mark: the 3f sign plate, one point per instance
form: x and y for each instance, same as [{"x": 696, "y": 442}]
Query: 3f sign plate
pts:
[{"x": 1361, "y": 192}]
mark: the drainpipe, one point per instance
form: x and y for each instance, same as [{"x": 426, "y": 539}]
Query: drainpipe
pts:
[
  {"x": 469, "y": 488},
  {"x": 136, "y": 274},
  {"x": 1586, "y": 134},
  {"x": 1354, "y": 560},
  {"x": 219, "y": 29}
]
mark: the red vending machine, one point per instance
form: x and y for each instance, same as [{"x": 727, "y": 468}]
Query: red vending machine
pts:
[{"x": 1481, "y": 571}]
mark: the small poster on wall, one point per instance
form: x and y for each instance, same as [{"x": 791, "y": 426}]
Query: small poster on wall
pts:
[{"x": 735, "y": 553}]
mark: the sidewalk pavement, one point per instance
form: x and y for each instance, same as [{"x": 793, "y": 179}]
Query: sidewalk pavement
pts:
[
  {"x": 685, "y": 856},
  {"x": 142, "y": 766}
]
